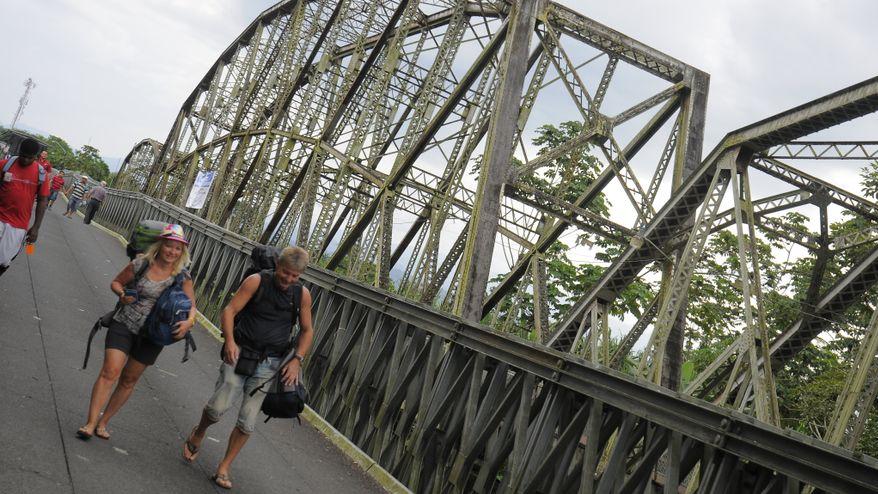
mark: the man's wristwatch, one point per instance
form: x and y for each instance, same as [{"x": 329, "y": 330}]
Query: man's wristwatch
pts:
[{"x": 300, "y": 357}]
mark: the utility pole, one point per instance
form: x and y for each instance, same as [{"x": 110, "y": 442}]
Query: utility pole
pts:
[{"x": 29, "y": 84}]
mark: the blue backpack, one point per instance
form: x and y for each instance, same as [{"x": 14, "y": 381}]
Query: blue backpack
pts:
[{"x": 172, "y": 306}]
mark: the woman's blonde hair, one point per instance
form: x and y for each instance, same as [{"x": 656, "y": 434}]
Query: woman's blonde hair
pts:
[{"x": 152, "y": 253}]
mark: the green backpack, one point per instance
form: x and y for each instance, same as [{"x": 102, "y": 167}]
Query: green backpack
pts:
[{"x": 143, "y": 235}]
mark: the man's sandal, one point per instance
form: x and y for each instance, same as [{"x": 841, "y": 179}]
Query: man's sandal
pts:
[
  {"x": 190, "y": 450},
  {"x": 223, "y": 481}
]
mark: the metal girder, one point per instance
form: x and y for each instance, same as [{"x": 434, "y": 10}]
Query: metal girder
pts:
[
  {"x": 488, "y": 53},
  {"x": 858, "y": 395},
  {"x": 594, "y": 189},
  {"x": 565, "y": 211},
  {"x": 330, "y": 127},
  {"x": 817, "y": 186},
  {"x": 651, "y": 363},
  {"x": 479, "y": 248},
  {"x": 841, "y": 106},
  {"x": 631, "y": 51},
  {"x": 644, "y": 249},
  {"x": 824, "y": 150},
  {"x": 133, "y": 174},
  {"x": 832, "y": 304}
]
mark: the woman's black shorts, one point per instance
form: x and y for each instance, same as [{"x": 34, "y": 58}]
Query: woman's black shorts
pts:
[{"x": 142, "y": 350}]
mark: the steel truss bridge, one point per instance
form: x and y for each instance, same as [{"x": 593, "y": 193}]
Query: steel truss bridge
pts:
[{"x": 392, "y": 139}]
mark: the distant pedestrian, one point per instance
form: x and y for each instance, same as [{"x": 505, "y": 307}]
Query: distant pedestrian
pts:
[
  {"x": 127, "y": 353},
  {"x": 93, "y": 200},
  {"x": 22, "y": 181},
  {"x": 75, "y": 193},
  {"x": 43, "y": 160},
  {"x": 257, "y": 326},
  {"x": 57, "y": 185}
]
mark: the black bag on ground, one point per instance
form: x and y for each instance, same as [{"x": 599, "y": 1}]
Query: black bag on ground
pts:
[
  {"x": 105, "y": 320},
  {"x": 283, "y": 402},
  {"x": 144, "y": 234}
]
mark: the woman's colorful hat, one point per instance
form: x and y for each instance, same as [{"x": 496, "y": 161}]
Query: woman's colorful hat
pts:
[{"x": 174, "y": 232}]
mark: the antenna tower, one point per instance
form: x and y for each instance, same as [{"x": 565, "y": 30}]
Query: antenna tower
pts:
[{"x": 29, "y": 84}]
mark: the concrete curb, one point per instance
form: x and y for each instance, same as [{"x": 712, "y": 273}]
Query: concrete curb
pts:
[{"x": 356, "y": 455}]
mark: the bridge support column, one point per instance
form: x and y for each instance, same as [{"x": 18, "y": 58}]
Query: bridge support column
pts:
[{"x": 479, "y": 249}]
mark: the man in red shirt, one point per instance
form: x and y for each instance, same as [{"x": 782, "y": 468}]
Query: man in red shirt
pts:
[
  {"x": 57, "y": 185},
  {"x": 22, "y": 181},
  {"x": 43, "y": 160}
]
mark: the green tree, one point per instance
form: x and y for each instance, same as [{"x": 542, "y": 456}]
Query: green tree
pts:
[
  {"x": 88, "y": 160},
  {"x": 61, "y": 155}
]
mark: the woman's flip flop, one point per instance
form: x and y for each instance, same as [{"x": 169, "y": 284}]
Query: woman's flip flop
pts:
[
  {"x": 223, "y": 481},
  {"x": 84, "y": 434}
]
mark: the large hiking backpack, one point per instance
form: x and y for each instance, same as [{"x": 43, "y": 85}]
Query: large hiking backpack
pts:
[
  {"x": 172, "y": 306},
  {"x": 262, "y": 257},
  {"x": 144, "y": 234}
]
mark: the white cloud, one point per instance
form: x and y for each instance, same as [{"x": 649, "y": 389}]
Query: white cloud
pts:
[
  {"x": 111, "y": 73},
  {"x": 114, "y": 72}
]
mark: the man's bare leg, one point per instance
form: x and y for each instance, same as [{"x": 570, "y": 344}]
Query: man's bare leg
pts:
[
  {"x": 237, "y": 440},
  {"x": 196, "y": 437}
]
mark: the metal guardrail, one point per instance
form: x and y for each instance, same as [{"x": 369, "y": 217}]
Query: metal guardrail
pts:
[{"x": 448, "y": 405}]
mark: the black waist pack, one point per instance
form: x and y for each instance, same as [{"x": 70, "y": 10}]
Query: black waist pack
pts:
[{"x": 248, "y": 360}]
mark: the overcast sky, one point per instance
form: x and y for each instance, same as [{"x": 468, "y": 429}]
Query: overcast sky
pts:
[{"x": 111, "y": 73}]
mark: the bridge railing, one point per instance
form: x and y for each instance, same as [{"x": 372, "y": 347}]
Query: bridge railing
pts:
[{"x": 448, "y": 405}]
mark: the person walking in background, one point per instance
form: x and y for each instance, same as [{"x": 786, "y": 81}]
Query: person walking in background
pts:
[
  {"x": 94, "y": 198},
  {"x": 75, "y": 193},
  {"x": 43, "y": 160},
  {"x": 22, "y": 181},
  {"x": 57, "y": 185},
  {"x": 257, "y": 326},
  {"x": 127, "y": 353}
]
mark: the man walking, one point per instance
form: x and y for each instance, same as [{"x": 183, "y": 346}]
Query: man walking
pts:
[
  {"x": 22, "y": 180},
  {"x": 94, "y": 198},
  {"x": 257, "y": 325},
  {"x": 57, "y": 185},
  {"x": 43, "y": 161},
  {"x": 75, "y": 193}
]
